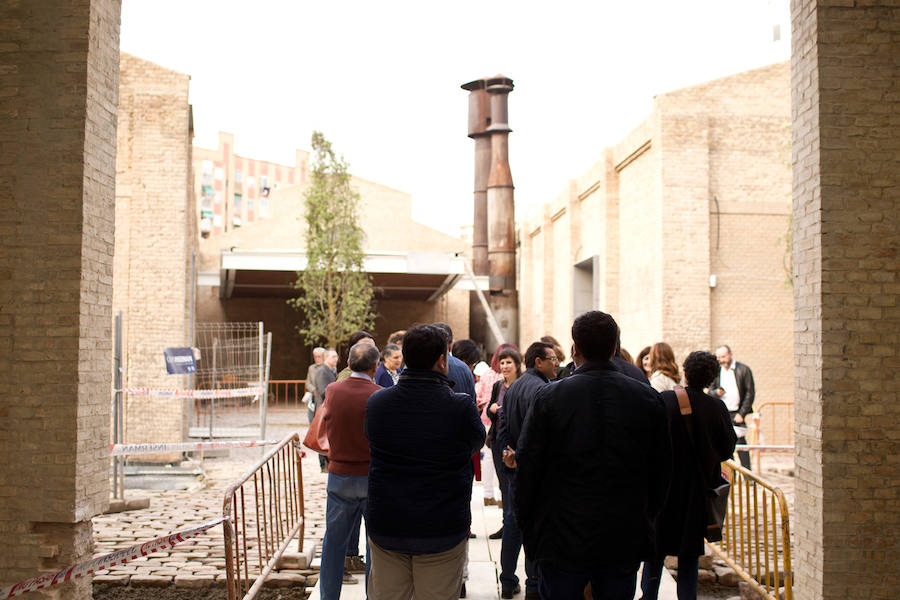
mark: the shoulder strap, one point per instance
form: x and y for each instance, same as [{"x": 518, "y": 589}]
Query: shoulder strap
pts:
[
  {"x": 684, "y": 405},
  {"x": 684, "y": 401}
]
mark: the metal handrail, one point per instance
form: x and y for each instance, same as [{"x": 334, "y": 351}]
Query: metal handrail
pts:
[
  {"x": 754, "y": 557},
  {"x": 754, "y": 426},
  {"x": 274, "y": 485},
  {"x": 286, "y": 393}
]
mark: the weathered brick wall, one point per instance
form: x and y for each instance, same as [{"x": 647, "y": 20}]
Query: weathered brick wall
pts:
[
  {"x": 700, "y": 188},
  {"x": 684, "y": 146},
  {"x": 748, "y": 125},
  {"x": 57, "y": 130},
  {"x": 155, "y": 237},
  {"x": 641, "y": 230},
  {"x": 530, "y": 275},
  {"x": 845, "y": 103}
]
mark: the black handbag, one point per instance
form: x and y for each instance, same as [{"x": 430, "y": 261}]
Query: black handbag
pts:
[{"x": 715, "y": 494}]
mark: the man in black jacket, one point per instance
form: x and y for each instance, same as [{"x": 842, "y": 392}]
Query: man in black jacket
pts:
[
  {"x": 541, "y": 363},
  {"x": 593, "y": 468},
  {"x": 735, "y": 387},
  {"x": 422, "y": 437}
]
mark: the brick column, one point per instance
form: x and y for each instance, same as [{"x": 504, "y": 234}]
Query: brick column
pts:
[
  {"x": 846, "y": 206},
  {"x": 60, "y": 62}
]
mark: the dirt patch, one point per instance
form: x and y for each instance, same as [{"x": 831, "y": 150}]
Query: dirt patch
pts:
[
  {"x": 716, "y": 592},
  {"x": 112, "y": 592}
]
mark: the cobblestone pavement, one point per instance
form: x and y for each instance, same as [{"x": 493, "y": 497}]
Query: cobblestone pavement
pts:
[{"x": 200, "y": 562}]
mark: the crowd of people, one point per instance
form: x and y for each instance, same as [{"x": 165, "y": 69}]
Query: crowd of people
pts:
[{"x": 602, "y": 463}]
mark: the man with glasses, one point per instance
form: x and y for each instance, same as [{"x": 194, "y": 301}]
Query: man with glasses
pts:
[{"x": 541, "y": 363}]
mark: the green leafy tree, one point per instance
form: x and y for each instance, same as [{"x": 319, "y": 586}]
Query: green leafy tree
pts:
[{"x": 335, "y": 293}]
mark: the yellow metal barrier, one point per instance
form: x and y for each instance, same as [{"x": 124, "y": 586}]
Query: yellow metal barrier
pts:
[
  {"x": 756, "y": 538},
  {"x": 266, "y": 511}
]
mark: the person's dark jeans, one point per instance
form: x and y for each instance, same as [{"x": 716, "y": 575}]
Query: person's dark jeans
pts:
[
  {"x": 743, "y": 455},
  {"x": 509, "y": 549},
  {"x": 687, "y": 578},
  {"x": 502, "y": 475},
  {"x": 608, "y": 583},
  {"x": 323, "y": 460}
]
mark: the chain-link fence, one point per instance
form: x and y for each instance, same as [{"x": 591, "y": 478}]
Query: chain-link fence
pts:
[{"x": 234, "y": 359}]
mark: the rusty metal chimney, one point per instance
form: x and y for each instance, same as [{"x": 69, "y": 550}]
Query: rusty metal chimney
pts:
[
  {"x": 479, "y": 119},
  {"x": 501, "y": 209}
]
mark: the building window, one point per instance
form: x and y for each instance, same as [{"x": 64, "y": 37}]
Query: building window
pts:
[
  {"x": 236, "y": 211},
  {"x": 263, "y": 207},
  {"x": 220, "y": 174},
  {"x": 263, "y": 182},
  {"x": 206, "y": 170},
  {"x": 585, "y": 292},
  {"x": 238, "y": 176}
]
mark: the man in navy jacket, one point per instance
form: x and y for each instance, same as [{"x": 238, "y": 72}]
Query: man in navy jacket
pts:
[
  {"x": 422, "y": 437},
  {"x": 541, "y": 363}
]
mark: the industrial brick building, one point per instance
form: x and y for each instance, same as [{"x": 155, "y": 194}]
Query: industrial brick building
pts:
[
  {"x": 681, "y": 231},
  {"x": 418, "y": 272}
]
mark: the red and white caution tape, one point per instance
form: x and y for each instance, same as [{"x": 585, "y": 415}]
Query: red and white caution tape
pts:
[
  {"x": 105, "y": 562},
  {"x": 129, "y": 449},
  {"x": 196, "y": 394}
]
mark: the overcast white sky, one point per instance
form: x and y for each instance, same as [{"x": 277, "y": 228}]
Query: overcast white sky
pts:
[{"x": 381, "y": 79}]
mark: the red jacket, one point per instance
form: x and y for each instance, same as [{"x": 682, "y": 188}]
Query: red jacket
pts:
[{"x": 343, "y": 421}]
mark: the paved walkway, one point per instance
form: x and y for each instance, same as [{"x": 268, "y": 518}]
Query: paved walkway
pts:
[{"x": 484, "y": 560}]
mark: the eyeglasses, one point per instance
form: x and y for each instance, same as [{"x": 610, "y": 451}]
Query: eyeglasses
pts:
[{"x": 552, "y": 358}]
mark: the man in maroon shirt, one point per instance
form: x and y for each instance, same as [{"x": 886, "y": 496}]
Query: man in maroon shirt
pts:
[{"x": 348, "y": 463}]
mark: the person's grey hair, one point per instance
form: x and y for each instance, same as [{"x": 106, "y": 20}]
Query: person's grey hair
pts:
[
  {"x": 318, "y": 350},
  {"x": 390, "y": 349},
  {"x": 329, "y": 352},
  {"x": 363, "y": 357}
]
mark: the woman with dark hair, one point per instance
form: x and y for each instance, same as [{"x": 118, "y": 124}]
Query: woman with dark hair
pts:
[
  {"x": 663, "y": 368},
  {"x": 483, "y": 388},
  {"x": 466, "y": 351},
  {"x": 643, "y": 362},
  {"x": 510, "y": 362},
  {"x": 696, "y": 456},
  {"x": 389, "y": 369}
]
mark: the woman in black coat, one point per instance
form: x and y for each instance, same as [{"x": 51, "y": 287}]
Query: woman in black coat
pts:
[
  {"x": 682, "y": 525},
  {"x": 510, "y": 362}
]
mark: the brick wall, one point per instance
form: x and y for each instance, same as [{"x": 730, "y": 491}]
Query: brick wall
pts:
[
  {"x": 846, "y": 99},
  {"x": 700, "y": 188},
  {"x": 57, "y": 131},
  {"x": 155, "y": 238},
  {"x": 638, "y": 161}
]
